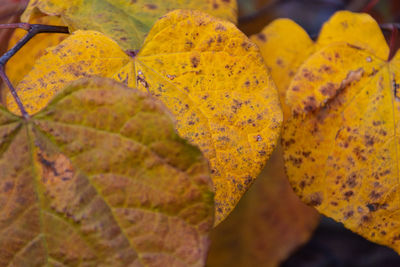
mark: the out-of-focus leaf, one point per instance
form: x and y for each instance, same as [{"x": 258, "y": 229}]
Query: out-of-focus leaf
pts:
[
  {"x": 284, "y": 46},
  {"x": 125, "y": 21},
  {"x": 208, "y": 73},
  {"x": 100, "y": 178},
  {"x": 266, "y": 226},
  {"x": 22, "y": 62},
  {"x": 342, "y": 144}
]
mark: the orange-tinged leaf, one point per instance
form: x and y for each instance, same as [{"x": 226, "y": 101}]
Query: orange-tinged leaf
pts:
[
  {"x": 22, "y": 62},
  {"x": 207, "y": 72},
  {"x": 284, "y": 46},
  {"x": 125, "y": 21},
  {"x": 100, "y": 178},
  {"x": 267, "y": 225},
  {"x": 341, "y": 146}
]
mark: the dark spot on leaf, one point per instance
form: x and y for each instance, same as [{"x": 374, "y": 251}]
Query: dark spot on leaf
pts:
[
  {"x": 348, "y": 214},
  {"x": 195, "y": 61},
  {"x": 8, "y": 186},
  {"x": 315, "y": 199},
  {"x": 354, "y": 46},
  {"x": 151, "y": 6},
  {"x": 329, "y": 89},
  {"x": 310, "y": 104},
  {"x": 261, "y": 37},
  {"x": 351, "y": 180}
]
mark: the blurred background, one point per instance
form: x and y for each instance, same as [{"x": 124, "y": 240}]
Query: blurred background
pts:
[{"x": 270, "y": 226}]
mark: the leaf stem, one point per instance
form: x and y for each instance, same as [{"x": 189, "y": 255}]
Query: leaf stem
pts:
[{"x": 32, "y": 29}]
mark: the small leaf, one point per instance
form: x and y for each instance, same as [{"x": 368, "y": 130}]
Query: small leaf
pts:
[
  {"x": 22, "y": 62},
  {"x": 125, "y": 21},
  {"x": 207, "y": 72},
  {"x": 98, "y": 178},
  {"x": 268, "y": 224},
  {"x": 342, "y": 144}
]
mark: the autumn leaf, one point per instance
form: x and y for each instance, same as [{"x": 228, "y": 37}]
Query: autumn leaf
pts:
[
  {"x": 284, "y": 46},
  {"x": 22, "y": 62},
  {"x": 268, "y": 224},
  {"x": 341, "y": 145},
  {"x": 100, "y": 177},
  {"x": 207, "y": 72},
  {"x": 127, "y": 22}
]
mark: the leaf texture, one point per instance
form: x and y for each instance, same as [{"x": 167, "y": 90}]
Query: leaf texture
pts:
[
  {"x": 100, "y": 178},
  {"x": 125, "y": 21},
  {"x": 208, "y": 74},
  {"x": 342, "y": 144}
]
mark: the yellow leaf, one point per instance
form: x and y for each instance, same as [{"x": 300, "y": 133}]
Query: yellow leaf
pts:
[
  {"x": 284, "y": 46},
  {"x": 125, "y": 21},
  {"x": 207, "y": 72},
  {"x": 268, "y": 224},
  {"x": 100, "y": 178},
  {"x": 342, "y": 143},
  {"x": 22, "y": 62}
]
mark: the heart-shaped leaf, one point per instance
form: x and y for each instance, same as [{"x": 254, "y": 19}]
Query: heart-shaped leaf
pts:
[
  {"x": 342, "y": 144},
  {"x": 100, "y": 178}
]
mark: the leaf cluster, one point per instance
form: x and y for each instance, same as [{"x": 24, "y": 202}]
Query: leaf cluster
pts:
[{"x": 148, "y": 123}]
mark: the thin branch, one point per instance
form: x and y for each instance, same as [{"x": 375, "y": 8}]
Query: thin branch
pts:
[
  {"x": 370, "y": 6},
  {"x": 21, "y": 25},
  {"x": 21, "y": 107},
  {"x": 389, "y": 26},
  {"x": 32, "y": 29}
]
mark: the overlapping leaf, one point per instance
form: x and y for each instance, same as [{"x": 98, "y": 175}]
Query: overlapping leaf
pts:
[
  {"x": 266, "y": 226},
  {"x": 100, "y": 178},
  {"x": 342, "y": 145},
  {"x": 284, "y": 46},
  {"x": 22, "y": 62},
  {"x": 210, "y": 76},
  {"x": 125, "y": 21}
]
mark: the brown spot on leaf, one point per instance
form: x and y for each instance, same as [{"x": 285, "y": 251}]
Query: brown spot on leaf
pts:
[
  {"x": 315, "y": 199},
  {"x": 329, "y": 89},
  {"x": 195, "y": 61},
  {"x": 151, "y": 6},
  {"x": 261, "y": 37}
]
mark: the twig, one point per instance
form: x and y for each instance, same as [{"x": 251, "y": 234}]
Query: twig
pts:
[
  {"x": 389, "y": 26},
  {"x": 13, "y": 92},
  {"x": 32, "y": 29},
  {"x": 370, "y": 6},
  {"x": 25, "y": 26}
]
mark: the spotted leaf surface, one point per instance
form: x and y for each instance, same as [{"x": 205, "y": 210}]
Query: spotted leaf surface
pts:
[
  {"x": 100, "y": 178},
  {"x": 209, "y": 75},
  {"x": 125, "y": 21},
  {"x": 341, "y": 145}
]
